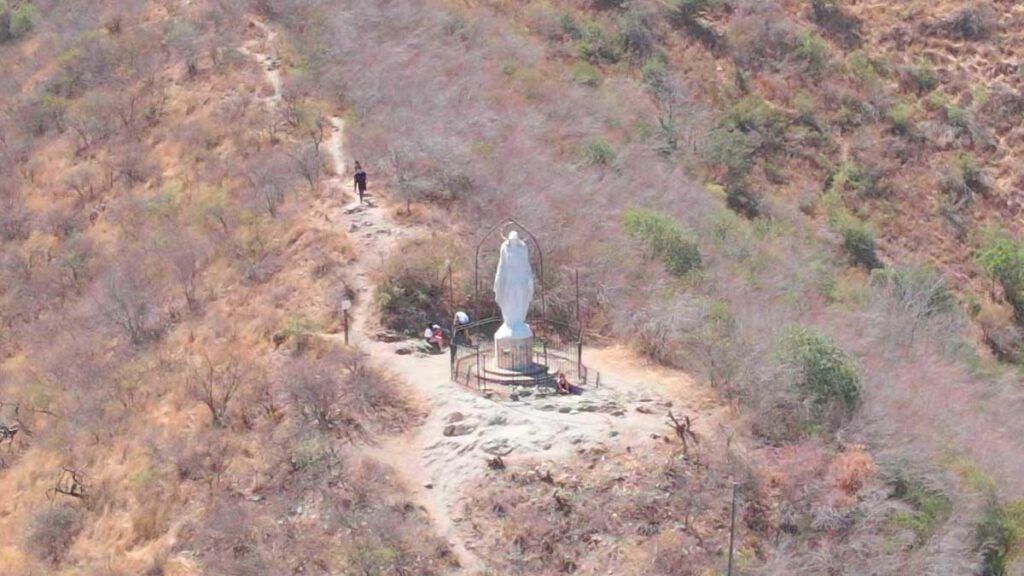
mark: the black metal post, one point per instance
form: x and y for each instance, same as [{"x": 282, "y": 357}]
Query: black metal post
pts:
[
  {"x": 732, "y": 527},
  {"x": 345, "y": 312}
]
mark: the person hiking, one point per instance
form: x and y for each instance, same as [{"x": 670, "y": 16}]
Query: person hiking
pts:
[{"x": 359, "y": 183}]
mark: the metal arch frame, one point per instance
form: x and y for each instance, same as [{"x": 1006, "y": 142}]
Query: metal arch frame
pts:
[{"x": 476, "y": 262}]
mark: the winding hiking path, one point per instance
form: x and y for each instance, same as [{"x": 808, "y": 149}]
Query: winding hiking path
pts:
[{"x": 440, "y": 460}]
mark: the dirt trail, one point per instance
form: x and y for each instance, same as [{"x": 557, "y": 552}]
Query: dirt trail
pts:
[{"x": 440, "y": 459}]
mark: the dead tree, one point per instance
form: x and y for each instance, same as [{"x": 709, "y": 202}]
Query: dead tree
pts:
[
  {"x": 684, "y": 430},
  {"x": 215, "y": 386},
  {"x": 8, "y": 432},
  {"x": 562, "y": 503},
  {"x": 70, "y": 482}
]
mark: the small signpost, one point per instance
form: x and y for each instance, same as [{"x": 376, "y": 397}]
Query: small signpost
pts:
[{"x": 346, "y": 305}]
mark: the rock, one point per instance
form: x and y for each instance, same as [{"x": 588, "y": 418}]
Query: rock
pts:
[
  {"x": 497, "y": 447},
  {"x": 388, "y": 336},
  {"x": 613, "y": 433},
  {"x": 429, "y": 485},
  {"x": 403, "y": 350},
  {"x": 513, "y": 396},
  {"x": 644, "y": 410},
  {"x": 455, "y": 417},
  {"x": 619, "y": 413},
  {"x": 498, "y": 420},
  {"x": 458, "y": 429},
  {"x": 565, "y": 410}
]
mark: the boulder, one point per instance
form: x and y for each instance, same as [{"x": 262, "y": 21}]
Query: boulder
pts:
[{"x": 458, "y": 429}]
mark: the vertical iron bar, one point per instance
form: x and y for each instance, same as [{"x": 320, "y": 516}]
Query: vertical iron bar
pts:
[
  {"x": 732, "y": 526},
  {"x": 346, "y": 326}
]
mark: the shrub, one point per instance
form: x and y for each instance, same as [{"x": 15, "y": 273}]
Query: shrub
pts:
[
  {"x": 812, "y": 50},
  {"x": 859, "y": 242},
  {"x": 51, "y": 532},
  {"x": 921, "y": 77},
  {"x": 852, "y": 177},
  {"x": 868, "y": 71},
  {"x": 753, "y": 113},
  {"x": 830, "y": 15},
  {"x": 999, "y": 536},
  {"x": 663, "y": 239},
  {"x": 596, "y": 46},
  {"x": 732, "y": 149},
  {"x": 826, "y": 377},
  {"x": 19, "y": 22},
  {"x": 686, "y": 12},
  {"x": 1003, "y": 259},
  {"x": 690, "y": 14},
  {"x": 637, "y": 39},
  {"x": 929, "y": 508},
  {"x": 608, "y": 4},
  {"x": 916, "y": 293},
  {"x": 901, "y": 116},
  {"x": 586, "y": 74},
  {"x": 741, "y": 200},
  {"x": 972, "y": 23},
  {"x": 653, "y": 72},
  {"x": 596, "y": 151},
  {"x": 962, "y": 183},
  {"x": 410, "y": 296}
]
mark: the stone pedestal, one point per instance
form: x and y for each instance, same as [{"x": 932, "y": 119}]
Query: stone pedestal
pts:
[{"x": 513, "y": 347}]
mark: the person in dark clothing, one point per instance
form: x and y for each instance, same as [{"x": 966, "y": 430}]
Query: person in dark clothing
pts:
[{"x": 359, "y": 183}]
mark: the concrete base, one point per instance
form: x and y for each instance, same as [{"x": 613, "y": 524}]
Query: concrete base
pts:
[{"x": 513, "y": 353}]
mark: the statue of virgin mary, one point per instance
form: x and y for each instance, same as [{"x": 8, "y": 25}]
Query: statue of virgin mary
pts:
[{"x": 513, "y": 287}]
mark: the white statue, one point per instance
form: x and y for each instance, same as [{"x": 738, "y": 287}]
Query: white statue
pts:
[{"x": 513, "y": 288}]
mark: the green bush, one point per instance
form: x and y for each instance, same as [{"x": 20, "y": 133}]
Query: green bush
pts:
[
  {"x": 812, "y": 50},
  {"x": 732, "y": 149},
  {"x": 859, "y": 243},
  {"x": 741, "y": 200},
  {"x": 636, "y": 37},
  {"x": 755, "y": 114},
  {"x": 962, "y": 183},
  {"x": 411, "y": 294},
  {"x": 929, "y": 508},
  {"x": 901, "y": 116},
  {"x": 827, "y": 380},
  {"x": 921, "y": 77},
  {"x": 595, "y": 151},
  {"x": 687, "y": 12},
  {"x": 1003, "y": 259},
  {"x": 867, "y": 70},
  {"x": 653, "y": 72},
  {"x": 17, "y": 23},
  {"x": 596, "y": 46},
  {"x": 999, "y": 537},
  {"x": 663, "y": 239},
  {"x": 854, "y": 178},
  {"x": 585, "y": 74}
]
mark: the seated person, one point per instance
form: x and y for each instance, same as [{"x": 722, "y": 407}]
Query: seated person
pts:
[
  {"x": 428, "y": 337},
  {"x": 461, "y": 318},
  {"x": 562, "y": 384},
  {"x": 435, "y": 337}
]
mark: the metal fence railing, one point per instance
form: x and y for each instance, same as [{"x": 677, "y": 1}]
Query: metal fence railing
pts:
[{"x": 557, "y": 347}]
